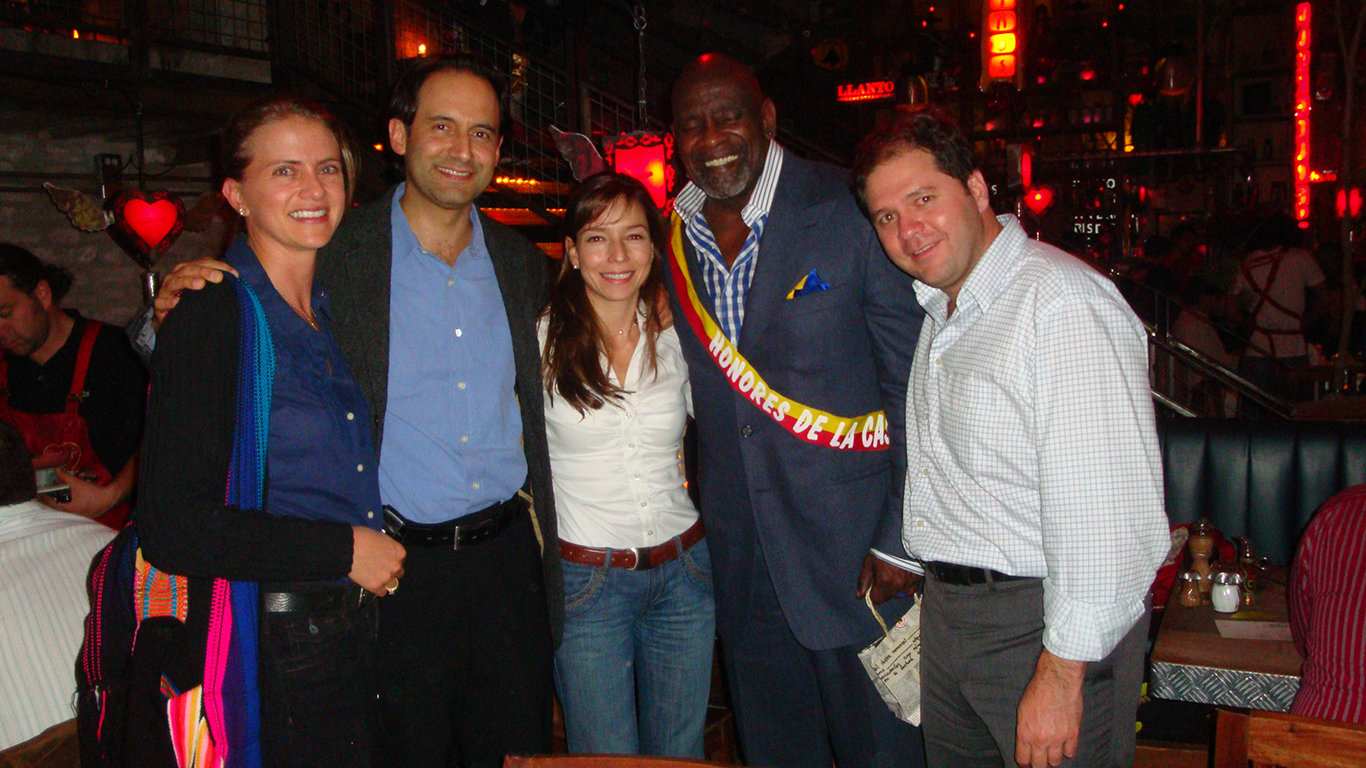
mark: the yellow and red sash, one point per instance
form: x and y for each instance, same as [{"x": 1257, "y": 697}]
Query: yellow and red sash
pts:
[{"x": 857, "y": 433}]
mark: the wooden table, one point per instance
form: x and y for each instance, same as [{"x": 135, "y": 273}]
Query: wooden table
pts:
[{"x": 1191, "y": 661}]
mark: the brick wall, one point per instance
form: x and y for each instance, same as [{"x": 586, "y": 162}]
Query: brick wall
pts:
[{"x": 107, "y": 285}]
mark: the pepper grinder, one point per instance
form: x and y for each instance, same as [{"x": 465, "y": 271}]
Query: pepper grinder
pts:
[{"x": 1201, "y": 546}]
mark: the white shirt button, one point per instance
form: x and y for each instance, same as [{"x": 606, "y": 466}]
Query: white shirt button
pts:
[
  {"x": 461, "y": 385},
  {"x": 350, "y": 417},
  {"x": 643, "y": 503},
  {"x": 649, "y": 533},
  {"x": 926, "y": 471},
  {"x": 360, "y": 467},
  {"x": 370, "y": 515},
  {"x": 464, "y": 438},
  {"x": 459, "y": 333},
  {"x": 630, "y": 445},
  {"x": 920, "y": 523},
  {"x": 450, "y": 282},
  {"x": 938, "y": 361},
  {"x": 476, "y": 486}
]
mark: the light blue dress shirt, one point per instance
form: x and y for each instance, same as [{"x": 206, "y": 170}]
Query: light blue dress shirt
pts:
[{"x": 452, "y": 428}]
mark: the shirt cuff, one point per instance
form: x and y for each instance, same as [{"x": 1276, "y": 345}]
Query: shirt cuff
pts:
[
  {"x": 909, "y": 565},
  {"x": 1080, "y": 631}
]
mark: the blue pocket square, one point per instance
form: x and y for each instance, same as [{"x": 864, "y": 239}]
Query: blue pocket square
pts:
[{"x": 811, "y": 283}]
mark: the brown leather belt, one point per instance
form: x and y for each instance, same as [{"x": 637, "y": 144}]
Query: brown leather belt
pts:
[{"x": 636, "y": 558}]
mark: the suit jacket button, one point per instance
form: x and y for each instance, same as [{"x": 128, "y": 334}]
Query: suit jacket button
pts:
[{"x": 746, "y": 430}]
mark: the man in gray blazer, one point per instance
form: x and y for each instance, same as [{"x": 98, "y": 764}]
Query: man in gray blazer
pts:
[
  {"x": 814, "y": 324},
  {"x": 434, "y": 306}
]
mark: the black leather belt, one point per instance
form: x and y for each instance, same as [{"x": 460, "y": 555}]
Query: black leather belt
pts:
[
  {"x": 312, "y": 598},
  {"x": 967, "y": 575},
  {"x": 456, "y": 534}
]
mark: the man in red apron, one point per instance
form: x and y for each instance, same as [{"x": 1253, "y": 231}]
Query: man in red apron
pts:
[
  {"x": 73, "y": 387},
  {"x": 1277, "y": 280}
]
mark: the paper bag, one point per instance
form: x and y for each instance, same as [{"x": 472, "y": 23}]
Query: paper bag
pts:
[{"x": 893, "y": 662}]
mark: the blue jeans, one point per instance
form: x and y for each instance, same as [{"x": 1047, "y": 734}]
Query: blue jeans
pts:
[{"x": 634, "y": 670}]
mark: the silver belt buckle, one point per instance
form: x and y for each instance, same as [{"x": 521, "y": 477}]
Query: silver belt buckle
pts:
[
  {"x": 641, "y": 563},
  {"x": 455, "y": 539}
]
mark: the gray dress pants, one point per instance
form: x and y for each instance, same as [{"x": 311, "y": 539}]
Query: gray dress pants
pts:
[{"x": 979, "y": 647}]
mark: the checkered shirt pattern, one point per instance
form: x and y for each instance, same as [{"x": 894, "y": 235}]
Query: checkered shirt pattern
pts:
[
  {"x": 1031, "y": 444},
  {"x": 729, "y": 286}
]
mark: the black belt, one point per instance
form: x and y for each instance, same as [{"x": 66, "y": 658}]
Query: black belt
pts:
[
  {"x": 295, "y": 598},
  {"x": 967, "y": 575},
  {"x": 456, "y": 534}
]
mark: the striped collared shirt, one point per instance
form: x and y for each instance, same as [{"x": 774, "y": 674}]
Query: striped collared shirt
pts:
[
  {"x": 728, "y": 286},
  {"x": 44, "y": 556}
]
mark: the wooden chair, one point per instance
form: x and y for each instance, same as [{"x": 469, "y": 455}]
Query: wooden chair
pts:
[
  {"x": 600, "y": 761},
  {"x": 1289, "y": 741}
]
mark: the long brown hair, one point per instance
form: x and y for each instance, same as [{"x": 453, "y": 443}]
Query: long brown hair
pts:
[{"x": 576, "y": 340}]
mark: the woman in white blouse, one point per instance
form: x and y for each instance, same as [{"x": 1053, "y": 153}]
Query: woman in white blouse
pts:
[{"x": 634, "y": 670}]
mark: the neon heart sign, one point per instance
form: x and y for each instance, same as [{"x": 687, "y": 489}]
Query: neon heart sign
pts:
[
  {"x": 1038, "y": 200},
  {"x": 146, "y": 223}
]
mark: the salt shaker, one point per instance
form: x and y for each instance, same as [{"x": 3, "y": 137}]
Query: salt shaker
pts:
[
  {"x": 1226, "y": 592},
  {"x": 1190, "y": 590}
]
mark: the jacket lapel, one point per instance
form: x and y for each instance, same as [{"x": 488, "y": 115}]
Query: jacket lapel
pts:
[
  {"x": 779, "y": 266},
  {"x": 362, "y": 295}
]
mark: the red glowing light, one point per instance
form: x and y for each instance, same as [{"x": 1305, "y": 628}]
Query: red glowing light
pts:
[
  {"x": 1135, "y": 99},
  {"x": 1001, "y": 21},
  {"x": 645, "y": 156},
  {"x": 1002, "y": 67},
  {"x": 1105, "y": 23},
  {"x": 1027, "y": 168},
  {"x": 1355, "y": 203},
  {"x": 1038, "y": 200},
  {"x": 1088, "y": 74},
  {"x": 1003, "y": 43},
  {"x": 1301, "y": 168},
  {"x": 1038, "y": 122}
]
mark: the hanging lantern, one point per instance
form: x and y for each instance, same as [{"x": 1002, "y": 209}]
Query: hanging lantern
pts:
[
  {"x": 146, "y": 223},
  {"x": 914, "y": 95},
  {"x": 647, "y": 157}
]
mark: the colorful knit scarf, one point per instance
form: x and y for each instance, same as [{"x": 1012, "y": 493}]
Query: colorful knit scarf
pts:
[{"x": 219, "y": 722}]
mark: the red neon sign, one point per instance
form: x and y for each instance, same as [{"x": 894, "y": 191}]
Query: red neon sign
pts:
[
  {"x": 1301, "y": 165},
  {"x": 1002, "y": 43},
  {"x": 870, "y": 91}
]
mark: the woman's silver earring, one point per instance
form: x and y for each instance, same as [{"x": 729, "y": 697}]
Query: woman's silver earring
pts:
[{"x": 242, "y": 212}]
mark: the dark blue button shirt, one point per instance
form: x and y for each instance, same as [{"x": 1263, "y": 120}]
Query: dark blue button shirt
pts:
[{"x": 320, "y": 460}]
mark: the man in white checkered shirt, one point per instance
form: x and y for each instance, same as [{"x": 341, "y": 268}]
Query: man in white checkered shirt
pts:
[{"x": 1033, "y": 499}]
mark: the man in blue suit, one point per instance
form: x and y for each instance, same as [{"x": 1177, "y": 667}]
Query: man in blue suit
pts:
[{"x": 798, "y": 334}]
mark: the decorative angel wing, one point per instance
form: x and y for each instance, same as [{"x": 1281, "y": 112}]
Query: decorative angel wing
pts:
[
  {"x": 206, "y": 207},
  {"x": 580, "y": 152},
  {"x": 86, "y": 212}
]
